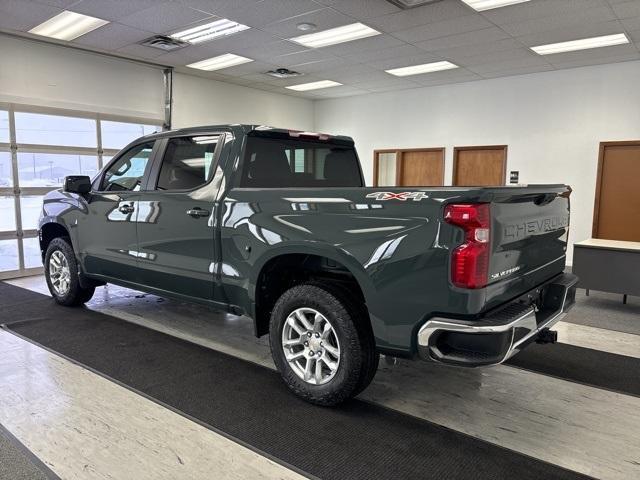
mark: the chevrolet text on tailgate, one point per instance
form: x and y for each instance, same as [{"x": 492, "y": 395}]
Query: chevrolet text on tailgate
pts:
[{"x": 279, "y": 226}]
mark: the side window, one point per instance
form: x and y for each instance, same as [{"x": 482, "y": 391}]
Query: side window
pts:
[
  {"x": 187, "y": 162},
  {"x": 127, "y": 172}
]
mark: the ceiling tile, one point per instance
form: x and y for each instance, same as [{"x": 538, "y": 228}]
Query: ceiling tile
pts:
[
  {"x": 545, "y": 24},
  {"x": 493, "y": 57},
  {"x": 360, "y": 9},
  {"x": 323, "y": 19},
  {"x": 389, "y": 81},
  {"x": 268, "y": 51},
  {"x": 340, "y": 91},
  {"x": 163, "y": 18},
  {"x": 112, "y": 36},
  {"x": 413, "y": 17},
  {"x": 518, "y": 71},
  {"x": 112, "y": 10},
  {"x": 239, "y": 41},
  {"x": 55, "y": 3},
  {"x": 320, "y": 67},
  {"x": 219, "y": 7},
  {"x": 630, "y": 24},
  {"x": 403, "y": 50},
  {"x": 627, "y": 9},
  {"x": 258, "y": 14},
  {"x": 352, "y": 73},
  {"x": 19, "y": 15},
  {"x": 484, "y": 48},
  {"x": 535, "y": 9},
  {"x": 532, "y": 61},
  {"x": 453, "y": 26},
  {"x": 487, "y": 35},
  {"x": 140, "y": 51},
  {"x": 307, "y": 56}
]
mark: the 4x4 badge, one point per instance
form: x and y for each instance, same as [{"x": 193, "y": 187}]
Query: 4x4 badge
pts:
[{"x": 404, "y": 196}]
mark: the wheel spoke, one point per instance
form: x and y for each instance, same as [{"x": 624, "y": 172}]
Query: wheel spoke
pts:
[
  {"x": 303, "y": 320},
  {"x": 331, "y": 349},
  {"x": 292, "y": 357},
  {"x": 308, "y": 370},
  {"x": 293, "y": 324},
  {"x": 329, "y": 363},
  {"x": 318, "y": 372},
  {"x": 326, "y": 331}
]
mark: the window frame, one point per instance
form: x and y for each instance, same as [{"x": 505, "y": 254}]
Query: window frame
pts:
[
  {"x": 154, "y": 174},
  {"x": 96, "y": 184},
  {"x": 236, "y": 182}
]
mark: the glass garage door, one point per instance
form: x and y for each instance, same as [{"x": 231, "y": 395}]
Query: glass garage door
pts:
[{"x": 38, "y": 148}]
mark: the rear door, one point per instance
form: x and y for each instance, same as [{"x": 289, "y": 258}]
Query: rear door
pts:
[
  {"x": 107, "y": 233},
  {"x": 175, "y": 217}
]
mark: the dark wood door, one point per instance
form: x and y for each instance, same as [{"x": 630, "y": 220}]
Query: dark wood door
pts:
[
  {"x": 479, "y": 166},
  {"x": 617, "y": 204},
  {"x": 411, "y": 167}
]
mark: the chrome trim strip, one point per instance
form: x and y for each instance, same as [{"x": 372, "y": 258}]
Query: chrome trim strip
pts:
[{"x": 526, "y": 320}]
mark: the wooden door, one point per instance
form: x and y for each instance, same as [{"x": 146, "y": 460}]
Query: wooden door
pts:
[
  {"x": 617, "y": 204},
  {"x": 479, "y": 166},
  {"x": 416, "y": 167}
]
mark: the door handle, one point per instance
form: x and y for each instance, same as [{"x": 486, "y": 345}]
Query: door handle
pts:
[
  {"x": 198, "y": 212},
  {"x": 126, "y": 209}
]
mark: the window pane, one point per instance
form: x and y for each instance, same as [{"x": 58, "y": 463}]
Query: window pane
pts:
[
  {"x": 9, "y": 255},
  {"x": 4, "y": 126},
  {"x": 282, "y": 163},
  {"x": 55, "y": 130},
  {"x": 187, "y": 162},
  {"x": 30, "y": 208},
  {"x": 127, "y": 172},
  {"x": 119, "y": 134},
  {"x": 32, "y": 255},
  {"x": 7, "y": 213},
  {"x": 49, "y": 169},
  {"x": 6, "y": 179}
]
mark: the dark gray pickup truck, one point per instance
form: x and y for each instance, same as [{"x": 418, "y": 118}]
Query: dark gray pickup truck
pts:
[{"x": 278, "y": 225}]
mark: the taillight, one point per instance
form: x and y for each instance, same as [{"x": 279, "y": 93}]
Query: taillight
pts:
[{"x": 470, "y": 261}]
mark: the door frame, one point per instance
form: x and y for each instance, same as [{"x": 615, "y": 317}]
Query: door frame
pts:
[
  {"x": 399, "y": 152},
  {"x": 596, "y": 202},
  {"x": 457, "y": 150}
]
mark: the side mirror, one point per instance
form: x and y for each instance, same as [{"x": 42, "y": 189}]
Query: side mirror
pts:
[{"x": 80, "y": 184}]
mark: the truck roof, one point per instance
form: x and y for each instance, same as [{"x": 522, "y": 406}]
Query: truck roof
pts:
[{"x": 243, "y": 129}]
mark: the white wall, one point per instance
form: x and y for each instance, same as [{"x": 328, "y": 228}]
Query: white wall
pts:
[
  {"x": 54, "y": 76},
  {"x": 552, "y": 122},
  {"x": 202, "y": 101}
]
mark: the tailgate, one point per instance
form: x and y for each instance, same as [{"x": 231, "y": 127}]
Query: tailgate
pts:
[{"x": 529, "y": 233}]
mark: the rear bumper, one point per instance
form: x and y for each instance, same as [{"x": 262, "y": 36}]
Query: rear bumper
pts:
[{"x": 500, "y": 335}]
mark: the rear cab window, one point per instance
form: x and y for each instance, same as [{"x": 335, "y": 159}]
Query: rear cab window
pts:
[{"x": 274, "y": 162}]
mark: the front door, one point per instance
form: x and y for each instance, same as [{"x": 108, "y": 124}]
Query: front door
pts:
[
  {"x": 175, "y": 218},
  {"x": 108, "y": 243}
]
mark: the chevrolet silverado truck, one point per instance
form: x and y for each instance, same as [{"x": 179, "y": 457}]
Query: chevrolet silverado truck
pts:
[{"x": 278, "y": 225}]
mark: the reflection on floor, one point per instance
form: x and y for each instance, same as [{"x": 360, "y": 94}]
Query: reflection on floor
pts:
[{"x": 579, "y": 427}]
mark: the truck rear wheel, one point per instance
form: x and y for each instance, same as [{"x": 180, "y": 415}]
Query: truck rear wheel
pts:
[
  {"x": 61, "y": 273},
  {"x": 321, "y": 344}
]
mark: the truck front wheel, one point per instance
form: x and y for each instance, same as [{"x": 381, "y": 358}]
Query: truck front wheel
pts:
[
  {"x": 322, "y": 344},
  {"x": 61, "y": 273}
]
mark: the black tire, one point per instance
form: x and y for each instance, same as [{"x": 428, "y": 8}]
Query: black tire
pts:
[
  {"x": 358, "y": 357},
  {"x": 76, "y": 295}
]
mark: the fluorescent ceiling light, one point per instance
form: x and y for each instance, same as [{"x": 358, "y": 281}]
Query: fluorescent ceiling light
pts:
[
  {"x": 222, "y": 61},
  {"x": 425, "y": 68},
  {"x": 68, "y": 25},
  {"x": 209, "y": 31},
  {"x": 332, "y": 36},
  {"x": 583, "y": 44},
  {"x": 481, "y": 5},
  {"x": 302, "y": 87}
]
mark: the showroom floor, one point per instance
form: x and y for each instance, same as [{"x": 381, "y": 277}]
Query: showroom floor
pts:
[{"x": 82, "y": 425}]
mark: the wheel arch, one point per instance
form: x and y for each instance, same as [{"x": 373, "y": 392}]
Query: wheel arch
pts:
[{"x": 284, "y": 267}]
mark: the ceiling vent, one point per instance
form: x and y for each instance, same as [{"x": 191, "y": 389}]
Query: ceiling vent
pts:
[
  {"x": 166, "y": 44},
  {"x": 283, "y": 73},
  {"x": 405, "y": 4}
]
